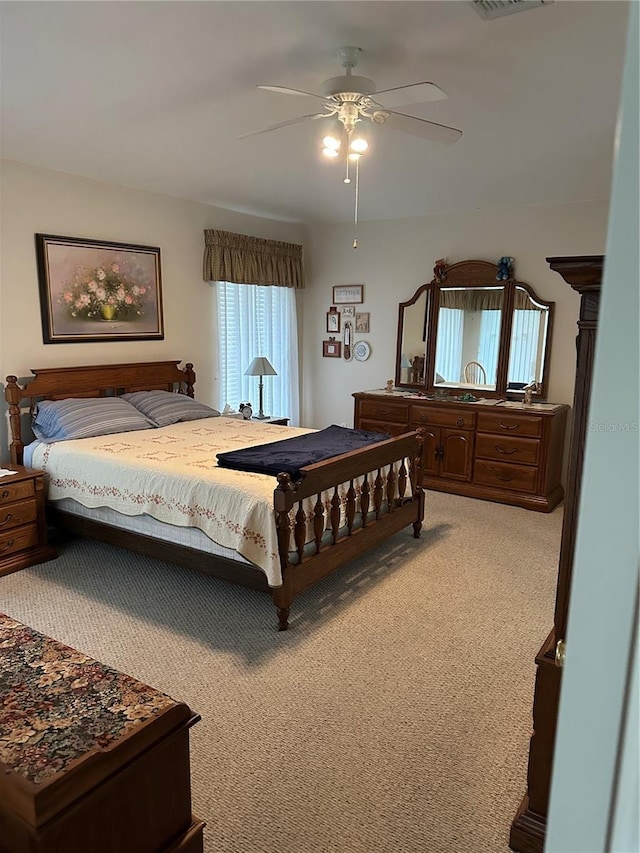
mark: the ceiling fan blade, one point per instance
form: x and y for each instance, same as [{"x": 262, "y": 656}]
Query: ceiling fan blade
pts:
[
  {"x": 414, "y": 93},
  {"x": 279, "y": 124},
  {"x": 284, "y": 90},
  {"x": 421, "y": 127}
]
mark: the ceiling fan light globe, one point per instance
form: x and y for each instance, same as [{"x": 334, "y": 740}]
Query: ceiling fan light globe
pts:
[
  {"x": 329, "y": 152},
  {"x": 331, "y": 142},
  {"x": 359, "y": 144},
  {"x": 354, "y": 156}
]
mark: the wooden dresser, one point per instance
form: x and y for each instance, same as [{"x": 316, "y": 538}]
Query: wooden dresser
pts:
[
  {"x": 498, "y": 451},
  {"x": 23, "y": 531}
]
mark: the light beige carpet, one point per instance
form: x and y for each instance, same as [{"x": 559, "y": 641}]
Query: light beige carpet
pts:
[{"x": 394, "y": 716}]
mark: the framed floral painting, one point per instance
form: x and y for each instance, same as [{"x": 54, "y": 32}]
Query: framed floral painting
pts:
[{"x": 94, "y": 290}]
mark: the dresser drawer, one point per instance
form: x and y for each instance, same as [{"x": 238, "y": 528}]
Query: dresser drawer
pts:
[
  {"x": 16, "y": 514},
  {"x": 15, "y": 491},
  {"x": 383, "y": 411},
  {"x": 18, "y": 540},
  {"x": 379, "y": 426},
  {"x": 509, "y": 424},
  {"x": 520, "y": 478},
  {"x": 508, "y": 448},
  {"x": 442, "y": 417}
]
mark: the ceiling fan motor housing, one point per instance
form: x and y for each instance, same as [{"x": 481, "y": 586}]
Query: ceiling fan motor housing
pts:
[{"x": 348, "y": 87}]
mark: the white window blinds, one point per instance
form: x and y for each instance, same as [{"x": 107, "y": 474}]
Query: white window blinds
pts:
[{"x": 254, "y": 321}]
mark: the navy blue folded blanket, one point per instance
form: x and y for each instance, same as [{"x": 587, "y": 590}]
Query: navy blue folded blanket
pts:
[{"x": 292, "y": 454}]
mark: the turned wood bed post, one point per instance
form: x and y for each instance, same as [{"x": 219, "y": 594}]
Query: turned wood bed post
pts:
[
  {"x": 190, "y": 378},
  {"x": 13, "y": 396},
  {"x": 418, "y": 491},
  {"x": 282, "y": 595}
]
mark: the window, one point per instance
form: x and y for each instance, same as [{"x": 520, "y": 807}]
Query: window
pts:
[
  {"x": 449, "y": 344},
  {"x": 255, "y": 320}
]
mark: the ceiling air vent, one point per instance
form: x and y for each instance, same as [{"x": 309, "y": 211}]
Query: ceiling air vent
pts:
[{"x": 489, "y": 9}]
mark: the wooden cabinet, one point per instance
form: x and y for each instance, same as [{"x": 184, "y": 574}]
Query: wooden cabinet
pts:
[
  {"x": 449, "y": 439},
  {"x": 499, "y": 451},
  {"x": 528, "y": 829},
  {"x": 23, "y": 531}
]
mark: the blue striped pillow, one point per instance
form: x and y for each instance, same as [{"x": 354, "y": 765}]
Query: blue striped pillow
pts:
[
  {"x": 62, "y": 420},
  {"x": 164, "y": 408}
]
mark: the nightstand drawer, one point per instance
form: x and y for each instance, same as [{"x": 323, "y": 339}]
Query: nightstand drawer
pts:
[
  {"x": 18, "y": 540},
  {"x": 15, "y": 491},
  {"x": 16, "y": 514}
]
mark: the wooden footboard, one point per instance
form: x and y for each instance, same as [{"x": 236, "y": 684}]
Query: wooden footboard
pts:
[{"x": 381, "y": 494}]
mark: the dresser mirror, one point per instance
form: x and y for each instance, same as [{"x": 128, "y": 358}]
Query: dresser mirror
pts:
[
  {"x": 529, "y": 340},
  {"x": 468, "y": 337},
  {"x": 466, "y": 331}
]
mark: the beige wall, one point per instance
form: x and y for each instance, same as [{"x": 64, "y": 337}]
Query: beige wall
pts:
[
  {"x": 392, "y": 260},
  {"x": 395, "y": 257},
  {"x": 37, "y": 200}
]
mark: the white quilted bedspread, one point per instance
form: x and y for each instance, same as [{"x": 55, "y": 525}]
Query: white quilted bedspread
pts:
[{"x": 171, "y": 473}]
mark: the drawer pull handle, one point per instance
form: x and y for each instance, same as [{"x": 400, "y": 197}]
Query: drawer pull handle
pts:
[
  {"x": 507, "y": 452},
  {"x": 501, "y": 475},
  {"x": 460, "y": 422},
  {"x": 508, "y": 426},
  {"x": 423, "y": 418},
  {"x": 7, "y": 519},
  {"x": 382, "y": 411},
  {"x": 8, "y": 545},
  {"x": 5, "y": 494}
]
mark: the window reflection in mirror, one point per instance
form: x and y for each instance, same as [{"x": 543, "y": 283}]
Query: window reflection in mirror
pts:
[
  {"x": 414, "y": 341},
  {"x": 528, "y": 341},
  {"x": 468, "y": 336}
]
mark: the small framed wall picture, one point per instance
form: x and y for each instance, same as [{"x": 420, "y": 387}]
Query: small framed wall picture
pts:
[
  {"x": 331, "y": 348},
  {"x": 348, "y": 312},
  {"x": 362, "y": 323},
  {"x": 348, "y": 294},
  {"x": 333, "y": 319}
]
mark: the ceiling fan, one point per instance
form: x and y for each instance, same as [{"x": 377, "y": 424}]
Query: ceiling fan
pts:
[{"x": 352, "y": 99}]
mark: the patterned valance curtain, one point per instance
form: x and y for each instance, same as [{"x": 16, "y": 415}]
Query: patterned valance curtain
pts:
[
  {"x": 241, "y": 259},
  {"x": 472, "y": 299}
]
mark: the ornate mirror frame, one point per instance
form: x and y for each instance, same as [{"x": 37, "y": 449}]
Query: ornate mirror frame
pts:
[{"x": 469, "y": 274}]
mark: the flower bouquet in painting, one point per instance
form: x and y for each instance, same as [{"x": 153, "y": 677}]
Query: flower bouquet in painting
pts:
[{"x": 112, "y": 291}]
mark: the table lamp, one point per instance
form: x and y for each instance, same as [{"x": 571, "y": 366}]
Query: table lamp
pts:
[{"x": 260, "y": 367}]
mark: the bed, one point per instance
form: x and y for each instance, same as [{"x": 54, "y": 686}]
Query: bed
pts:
[{"x": 288, "y": 534}]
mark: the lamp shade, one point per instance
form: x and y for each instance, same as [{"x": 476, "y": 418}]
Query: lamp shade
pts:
[
  {"x": 404, "y": 362},
  {"x": 260, "y": 367}
]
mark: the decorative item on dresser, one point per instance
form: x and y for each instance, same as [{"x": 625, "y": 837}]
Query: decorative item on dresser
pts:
[
  {"x": 495, "y": 450},
  {"x": 23, "y": 531},
  {"x": 584, "y": 275}
]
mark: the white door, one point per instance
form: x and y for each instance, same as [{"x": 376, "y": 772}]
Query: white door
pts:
[{"x": 594, "y": 805}]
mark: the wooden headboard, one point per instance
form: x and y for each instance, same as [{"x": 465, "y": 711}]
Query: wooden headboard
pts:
[{"x": 99, "y": 380}]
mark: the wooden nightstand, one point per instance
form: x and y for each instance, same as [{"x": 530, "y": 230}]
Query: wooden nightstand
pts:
[
  {"x": 23, "y": 529},
  {"x": 276, "y": 421}
]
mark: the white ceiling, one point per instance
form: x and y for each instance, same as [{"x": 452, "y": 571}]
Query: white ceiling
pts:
[{"x": 152, "y": 95}]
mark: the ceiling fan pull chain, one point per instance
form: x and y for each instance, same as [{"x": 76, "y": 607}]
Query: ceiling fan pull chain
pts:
[{"x": 355, "y": 212}]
